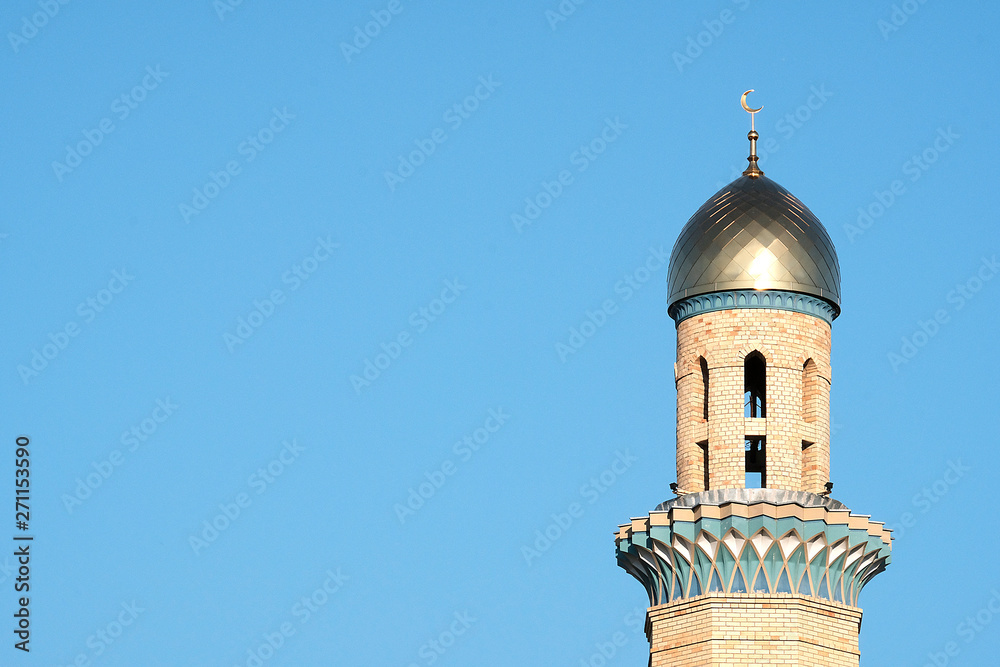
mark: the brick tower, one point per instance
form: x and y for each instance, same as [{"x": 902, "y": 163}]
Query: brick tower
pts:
[{"x": 752, "y": 563}]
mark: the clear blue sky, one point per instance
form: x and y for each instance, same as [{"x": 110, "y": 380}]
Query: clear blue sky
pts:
[{"x": 219, "y": 250}]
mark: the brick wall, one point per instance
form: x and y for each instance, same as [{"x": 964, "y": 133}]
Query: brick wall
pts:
[
  {"x": 753, "y": 630},
  {"x": 796, "y": 348}
]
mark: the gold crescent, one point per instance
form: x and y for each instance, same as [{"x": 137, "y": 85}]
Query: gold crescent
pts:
[{"x": 746, "y": 107}]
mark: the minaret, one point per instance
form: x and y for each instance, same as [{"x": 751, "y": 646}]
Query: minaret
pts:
[{"x": 753, "y": 563}]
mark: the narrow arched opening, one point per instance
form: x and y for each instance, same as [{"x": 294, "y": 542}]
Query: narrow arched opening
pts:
[
  {"x": 704, "y": 387},
  {"x": 754, "y": 385},
  {"x": 810, "y": 391}
]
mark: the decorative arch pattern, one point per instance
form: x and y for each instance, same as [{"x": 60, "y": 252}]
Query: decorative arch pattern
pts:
[
  {"x": 750, "y": 298},
  {"x": 676, "y": 558}
]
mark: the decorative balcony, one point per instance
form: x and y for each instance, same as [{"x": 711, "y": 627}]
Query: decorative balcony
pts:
[{"x": 734, "y": 541}]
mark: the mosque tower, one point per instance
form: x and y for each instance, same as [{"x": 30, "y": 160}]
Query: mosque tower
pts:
[{"x": 753, "y": 563}]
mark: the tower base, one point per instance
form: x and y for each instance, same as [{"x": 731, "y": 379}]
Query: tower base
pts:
[
  {"x": 741, "y": 577},
  {"x": 753, "y": 630}
]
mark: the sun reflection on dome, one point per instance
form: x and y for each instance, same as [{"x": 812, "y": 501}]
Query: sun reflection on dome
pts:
[{"x": 759, "y": 269}]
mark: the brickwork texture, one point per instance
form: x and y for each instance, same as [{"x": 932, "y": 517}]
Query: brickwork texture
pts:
[
  {"x": 796, "y": 425},
  {"x": 753, "y": 631}
]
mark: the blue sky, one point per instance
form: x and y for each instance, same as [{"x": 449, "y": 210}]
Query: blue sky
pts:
[{"x": 215, "y": 215}]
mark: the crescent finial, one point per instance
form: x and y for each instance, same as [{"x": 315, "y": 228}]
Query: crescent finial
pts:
[
  {"x": 753, "y": 171},
  {"x": 746, "y": 107}
]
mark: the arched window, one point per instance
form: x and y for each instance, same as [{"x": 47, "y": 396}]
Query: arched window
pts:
[
  {"x": 704, "y": 461},
  {"x": 755, "y": 451},
  {"x": 810, "y": 391},
  {"x": 754, "y": 385},
  {"x": 810, "y": 466},
  {"x": 704, "y": 386}
]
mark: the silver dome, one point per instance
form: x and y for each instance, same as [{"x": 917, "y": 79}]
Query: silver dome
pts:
[{"x": 754, "y": 234}]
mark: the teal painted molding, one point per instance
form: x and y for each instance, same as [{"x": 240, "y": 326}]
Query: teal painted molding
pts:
[
  {"x": 740, "y": 555},
  {"x": 749, "y": 298}
]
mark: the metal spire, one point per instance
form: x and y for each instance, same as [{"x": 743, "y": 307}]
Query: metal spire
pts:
[{"x": 753, "y": 171}]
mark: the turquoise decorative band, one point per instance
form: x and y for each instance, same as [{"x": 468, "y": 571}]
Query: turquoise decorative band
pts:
[
  {"x": 827, "y": 554},
  {"x": 749, "y": 298}
]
